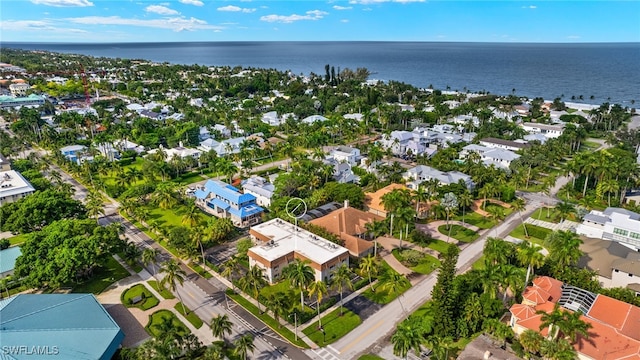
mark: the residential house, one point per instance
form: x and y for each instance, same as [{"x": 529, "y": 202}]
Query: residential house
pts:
[
  {"x": 126, "y": 145},
  {"x": 204, "y": 133},
  {"x": 197, "y": 102},
  {"x": 421, "y": 173},
  {"x": 373, "y": 202},
  {"x": 345, "y": 154},
  {"x": 224, "y": 131},
  {"x": 272, "y": 118},
  {"x": 349, "y": 224},
  {"x": 152, "y": 115},
  {"x": 491, "y": 156},
  {"x": 313, "y": 118},
  {"x": 615, "y": 325},
  {"x": 549, "y": 131},
  {"x": 32, "y": 100},
  {"x": 179, "y": 151},
  {"x": 225, "y": 201},
  {"x": 64, "y": 326},
  {"x": 19, "y": 89},
  {"x": 320, "y": 211},
  {"x": 343, "y": 173},
  {"x": 503, "y": 144},
  {"x": 76, "y": 153},
  {"x": 356, "y": 116},
  {"x": 616, "y": 265},
  {"x": 260, "y": 188},
  {"x": 613, "y": 224},
  {"x": 8, "y": 260},
  {"x": 535, "y": 137},
  {"x": 281, "y": 242},
  {"x": 222, "y": 148}
]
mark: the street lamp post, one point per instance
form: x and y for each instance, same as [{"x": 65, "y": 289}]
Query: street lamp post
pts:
[{"x": 295, "y": 323}]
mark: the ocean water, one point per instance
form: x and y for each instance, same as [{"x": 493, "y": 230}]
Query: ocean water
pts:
[{"x": 604, "y": 71}]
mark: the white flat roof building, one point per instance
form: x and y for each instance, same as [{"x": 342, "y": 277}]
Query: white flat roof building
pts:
[
  {"x": 282, "y": 242},
  {"x": 13, "y": 187},
  {"x": 615, "y": 224}
]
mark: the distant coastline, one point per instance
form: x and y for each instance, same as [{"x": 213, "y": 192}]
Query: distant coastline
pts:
[{"x": 597, "y": 72}]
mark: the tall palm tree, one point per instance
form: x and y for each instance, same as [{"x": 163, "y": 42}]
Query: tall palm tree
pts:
[
  {"x": 564, "y": 248},
  {"x": 369, "y": 266},
  {"x": 408, "y": 336},
  {"x": 393, "y": 282},
  {"x": 214, "y": 352},
  {"x": 221, "y": 325},
  {"x": 244, "y": 345},
  {"x": 558, "y": 350},
  {"x": 551, "y": 320},
  {"x": 301, "y": 275},
  {"x": 510, "y": 278},
  {"x": 565, "y": 209},
  {"x": 164, "y": 195},
  {"x": 319, "y": 288},
  {"x": 465, "y": 200},
  {"x": 230, "y": 268},
  {"x": 376, "y": 229},
  {"x": 529, "y": 255},
  {"x": 253, "y": 281},
  {"x": 519, "y": 205},
  {"x": 95, "y": 204},
  {"x": 149, "y": 257},
  {"x": 496, "y": 251},
  {"x": 496, "y": 213},
  {"x": 173, "y": 275},
  {"x": 192, "y": 216},
  {"x": 421, "y": 195},
  {"x": 341, "y": 277},
  {"x": 572, "y": 325},
  {"x": 531, "y": 340}
]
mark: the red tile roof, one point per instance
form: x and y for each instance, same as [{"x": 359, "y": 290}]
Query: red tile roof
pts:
[{"x": 522, "y": 311}]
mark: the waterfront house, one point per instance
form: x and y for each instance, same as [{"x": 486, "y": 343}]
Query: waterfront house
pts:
[{"x": 225, "y": 201}]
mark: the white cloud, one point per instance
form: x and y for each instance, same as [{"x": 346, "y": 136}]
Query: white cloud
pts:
[
  {"x": 175, "y": 24},
  {"x": 63, "y": 3},
  {"x": 530, "y": 7},
  {"x": 338, "y": 7},
  {"x": 367, "y": 2},
  {"x": 344, "y": 20},
  {"x": 162, "y": 10},
  {"x": 192, "y": 2},
  {"x": 232, "y": 8},
  {"x": 36, "y": 25},
  {"x": 309, "y": 15}
]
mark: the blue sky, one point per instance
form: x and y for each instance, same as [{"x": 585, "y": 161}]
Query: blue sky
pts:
[{"x": 367, "y": 20}]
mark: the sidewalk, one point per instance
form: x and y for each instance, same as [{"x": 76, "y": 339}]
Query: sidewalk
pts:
[{"x": 565, "y": 225}]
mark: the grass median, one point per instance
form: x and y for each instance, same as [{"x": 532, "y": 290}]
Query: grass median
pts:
[{"x": 334, "y": 325}]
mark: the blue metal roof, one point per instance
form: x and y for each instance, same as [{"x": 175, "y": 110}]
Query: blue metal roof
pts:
[
  {"x": 228, "y": 192},
  {"x": 219, "y": 203},
  {"x": 201, "y": 194},
  {"x": 8, "y": 258},
  {"x": 246, "y": 211},
  {"x": 69, "y": 326}
]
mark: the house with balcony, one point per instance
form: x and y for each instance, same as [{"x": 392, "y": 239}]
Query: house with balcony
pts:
[
  {"x": 613, "y": 224},
  {"x": 225, "y": 201},
  {"x": 260, "y": 188},
  {"x": 281, "y": 242}
]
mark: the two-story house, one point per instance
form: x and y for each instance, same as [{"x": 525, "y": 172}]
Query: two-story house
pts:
[{"x": 225, "y": 201}]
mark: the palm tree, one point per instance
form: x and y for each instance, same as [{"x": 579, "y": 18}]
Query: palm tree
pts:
[
  {"x": 564, "y": 247},
  {"x": 519, "y": 205},
  {"x": 529, "y": 255},
  {"x": 421, "y": 195},
  {"x": 341, "y": 277},
  {"x": 173, "y": 275},
  {"x": 551, "y": 320},
  {"x": 450, "y": 203},
  {"x": 393, "y": 282},
  {"x": 510, "y": 278},
  {"x": 94, "y": 205},
  {"x": 496, "y": 213},
  {"x": 230, "y": 268},
  {"x": 319, "y": 288},
  {"x": 465, "y": 200},
  {"x": 408, "y": 336},
  {"x": 149, "y": 257},
  {"x": 496, "y": 251},
  {"x": 221, "y": 325},
  {"x": 572, "y": 325},
  {"x": 244, "y": 345},
  {"x": 565, "y": 209},
  {"x": 376, "y": 229},
  {"x": 558, "y": 350},
  {"x": 369, "y": 266},
  {"x": 192, "y": 216},
  {"x": 279, "y": 303},
  {"x": 253, "y": 280},
  {"x": 164, "y": 195},
  {"x": 490, "y": 279},
  {"x": 531, "y": 341},
  {"x": 301, "y": 275},
  {"x": 214, "y": 352}
]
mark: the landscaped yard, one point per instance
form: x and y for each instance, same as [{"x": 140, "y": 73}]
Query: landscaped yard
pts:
[
  {"x": 334, "y": 325},
  {"x": 17, "y": 240},
  {"x": 537, "y": 234},
  {"x": 541, "y": 214},
  {"x": 438, "y": 245},
  {"x": 139, "y": 292},
  {"x": 162, "y": 291},
  {"x": 111, "y": 272},
  {"x": 416, "y": 261},
  {"x": 476, "y": 219},
  {"x": 370, "y": 357},
  {"x": 161, "y": 316},
  {"x": 382, "y": 296},
  {"x": 459, "y": 232},
  {"x": 190, "y": 315}
]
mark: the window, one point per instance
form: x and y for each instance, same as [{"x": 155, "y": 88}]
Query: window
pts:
[
  {"x": 620, "y": 232},
  {"x": 634, "y": 235}
]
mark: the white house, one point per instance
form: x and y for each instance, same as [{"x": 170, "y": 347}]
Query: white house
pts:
[
  {"x": 178, "y": 151},
  {"x": 19, "y": 89},
  {"x": 224, "y": 147},
  {"x": 503, "y": 144},
  {"x": 614, "y": 224},
  {"x": 260, "y": 188},
  {"x": 345, "y": 154},
  {"x": 314, "y": 118},
  {"x": 224, "y": 131},
  {"x": 13, "y": 186},
  {"x": 272, "y": 118},
  {"x": 421, "y": 173},
  {"x": 498, "y": 157},
  {"x": 549, "y": 131}
]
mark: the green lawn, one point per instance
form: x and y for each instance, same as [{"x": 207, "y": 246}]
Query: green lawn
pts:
[
  {"x": 148, "y": 300},
  {"x": 190, "y": 316},
  {"x": 159, "y": 316},
  {"x": 381, "y": 296},
  {"x": 202, "y": 272},
  {"x": 459, "y": 232},
  {"x": 422, "y": 263},
  {"x": 162, "y": 291},
  {"x": 17, "y": 240},
  {"x": 335, "y": 327},
  {"x": 271, "y": 322},
  {"x": 438, "y": 245},
  {"x": 106, "y": 275},
  {"x": 473, "y": 218},
  {"x": 537, "y": 234},
  {"x": 370, "y": 357},
  {"x": 479, "y": 264},
  {"x": 541, "y": 214}
]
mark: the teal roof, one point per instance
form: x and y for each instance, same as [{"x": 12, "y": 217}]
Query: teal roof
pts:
[
  {"x": 8, "y": 258},
  {"x": 31, "y": 97},
  {"x": 69, "y": 326}
]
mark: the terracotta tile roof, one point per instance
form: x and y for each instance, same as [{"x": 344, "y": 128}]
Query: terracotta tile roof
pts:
[
  {"x": 619, "y": 315},
  {"x": 372, "y": 200},
  {"x": 550, "y": 285},
  {"x": 536, "y": 295},
  {"x": 357, "y": 246},
  {"x": 345, "y": 223},
  {"x": 522, "y": 312}
]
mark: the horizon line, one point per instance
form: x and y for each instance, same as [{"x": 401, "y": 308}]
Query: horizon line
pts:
[{"x": 322, "y": 41}]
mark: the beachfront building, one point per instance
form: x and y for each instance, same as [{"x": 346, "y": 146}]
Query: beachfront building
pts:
[
  {"x": 615, "y": 325},
  {"x": 490, "y": 155},
  {"x": 549, "y": 131},
  {"x": 350, "y": 225},
  {"x": 32, "y": 100},
  {"x": 281, "y": 242},
  {"x": 225, "y": 201},
  {"x": 13, "y": 186},
  {"x": 61, "y": 326},
  {"x": 8, "y": 260},
  {"x": 260, "y": 188},
  {"x": 421, "y": 173},
  {"x": 614, "y": 224}
]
